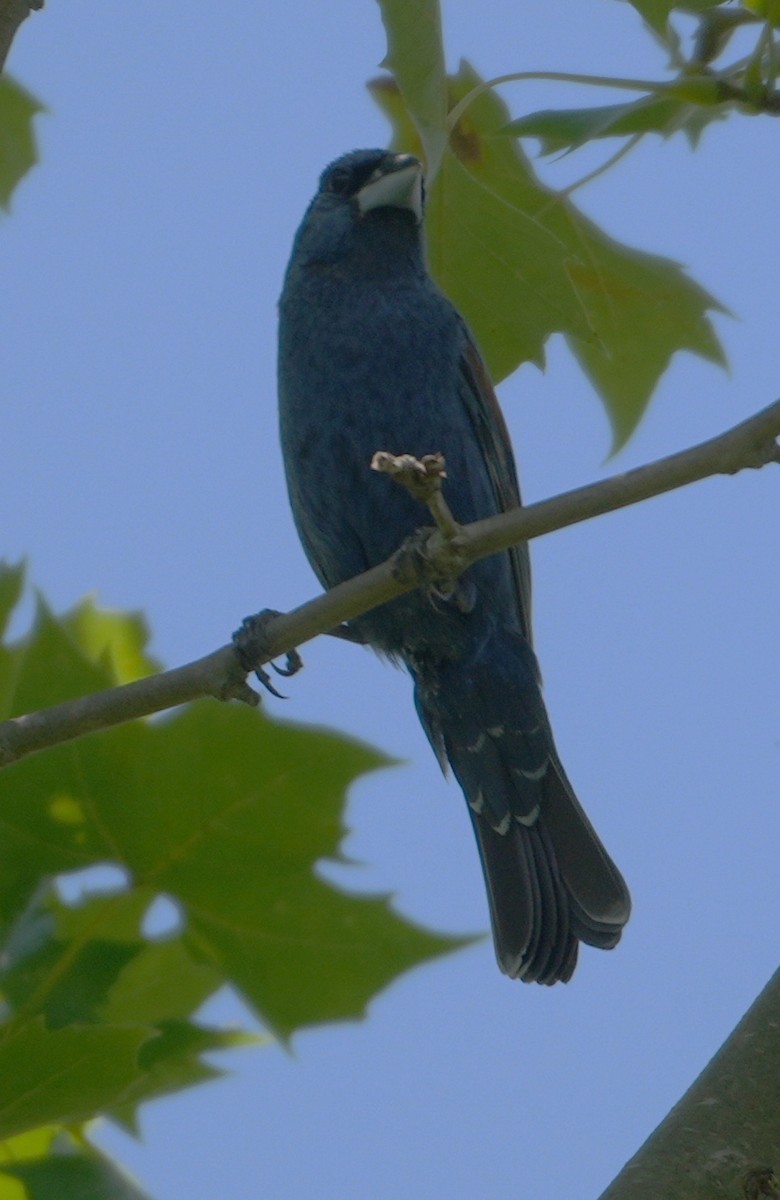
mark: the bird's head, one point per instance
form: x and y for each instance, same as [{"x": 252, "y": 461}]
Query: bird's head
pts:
[
  {"x": 369, "y": 180},
  {"x": 369, "y": 207}
]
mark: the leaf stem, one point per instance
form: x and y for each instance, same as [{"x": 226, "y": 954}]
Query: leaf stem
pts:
[{"x": 631, "y": 85}]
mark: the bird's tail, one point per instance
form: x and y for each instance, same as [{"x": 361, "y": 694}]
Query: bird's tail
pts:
[{"x": 550, "y": 882}]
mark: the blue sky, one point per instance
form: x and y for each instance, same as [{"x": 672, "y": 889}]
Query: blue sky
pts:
[{"x": 142, "y": 263}]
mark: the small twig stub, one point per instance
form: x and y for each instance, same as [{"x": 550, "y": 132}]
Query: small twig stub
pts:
[{"x": 422, "y": 477}]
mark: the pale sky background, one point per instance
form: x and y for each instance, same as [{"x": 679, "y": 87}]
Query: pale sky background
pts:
[{"x": 142, "y": 263}]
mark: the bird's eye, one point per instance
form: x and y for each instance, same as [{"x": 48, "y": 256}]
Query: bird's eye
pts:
[{"x": 339, "y": 180}]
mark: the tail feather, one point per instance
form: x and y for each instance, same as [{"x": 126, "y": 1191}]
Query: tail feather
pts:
[
  {"x": 550, "y": 882},
  {"x": 600, "y": 902},
  {"x": 529, "y": 906},
  {"x": 555, "y": 914}
]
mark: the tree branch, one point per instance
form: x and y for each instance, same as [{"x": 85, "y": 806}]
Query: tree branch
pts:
[
  {"x": 751, "y": 444},
  {"x": 12, "y": 13},
  {"x": 720, "y": 1142}
]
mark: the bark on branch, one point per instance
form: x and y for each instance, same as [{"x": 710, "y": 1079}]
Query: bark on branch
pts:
[
  {"x": 722, "y": 1140},
  {"x": 753, "y": 443},
  {"x": 12, "y": 13}
]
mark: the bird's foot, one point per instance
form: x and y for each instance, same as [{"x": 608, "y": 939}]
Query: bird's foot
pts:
[
  {"x": 436, "y": 569},
  {"x": 251, "y": 644},
  {"x": 412, "y": 558}
]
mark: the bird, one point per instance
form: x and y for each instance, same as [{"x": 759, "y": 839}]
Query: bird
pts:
[{"x": 373, "y": 356}]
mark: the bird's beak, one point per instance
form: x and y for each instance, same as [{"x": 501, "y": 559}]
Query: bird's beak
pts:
[{"x": 397, "y": 183}]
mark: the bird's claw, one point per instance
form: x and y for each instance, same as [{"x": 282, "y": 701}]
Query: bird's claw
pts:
[
  {"x": 251, "y": 645},
  {"x": 348, "y": 633},
  {"x": 294, "y": 664}
]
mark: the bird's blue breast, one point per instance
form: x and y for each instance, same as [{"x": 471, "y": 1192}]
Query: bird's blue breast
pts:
[{"x": 369, "y": 365}]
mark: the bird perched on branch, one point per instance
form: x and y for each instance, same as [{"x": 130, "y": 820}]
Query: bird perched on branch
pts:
[{"x": 372, "y": 356}]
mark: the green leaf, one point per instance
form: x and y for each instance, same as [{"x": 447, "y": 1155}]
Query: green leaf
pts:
[
  {"x": 499, "y": 264},
  {"x": 303, "y": 965},
  {"x": 697, "y": 89},
  {"x": 55, "y": 667},
  {"x": 90, "y": 963},
  {"x": 172, "y": 1061},
  {"x": 568, "y": 128},
  {"x": 247, "y": 810},
  {"x": 768, "y": 10},
  {"x": 46, "y": 830},
  {"x": 224, "y": 811},
  {"x": 521, "y": 263},
  {"x": 54, "y": 1163},
  {"x": 644, "y": 309},
  {"x": 83, "y": 1175},
  {"x": 716, "y": 28},
  {"x": 115, "y": 640},
  {"x": 11, "y": 584},
  {"x": 656, "y": 12},
  {"x": 75, "y": 995},
  {"x": 18, "y": 150},
  {"x": 160, "y": 983},
  {"x": 415, "y": 55},
  {"x": 32, "y": 1145},
  {"x": 63, "y": 1075}
]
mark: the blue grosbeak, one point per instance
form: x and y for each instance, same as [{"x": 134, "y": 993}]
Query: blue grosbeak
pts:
[{"x": 372, "y": 356}]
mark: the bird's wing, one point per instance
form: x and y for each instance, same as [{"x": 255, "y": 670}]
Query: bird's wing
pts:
[
  {"x": 490, "y": 426},
  {"x": 600, "y": 903}
]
